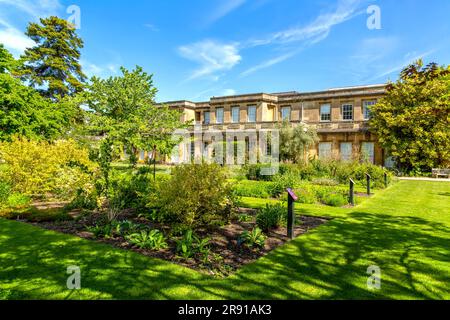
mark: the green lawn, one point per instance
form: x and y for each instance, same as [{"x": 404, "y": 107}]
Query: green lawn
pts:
[{"x": 405, "y": 230}]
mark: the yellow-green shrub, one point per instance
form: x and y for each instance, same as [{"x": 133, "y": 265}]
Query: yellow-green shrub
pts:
[{"x": 41, "y": 168}]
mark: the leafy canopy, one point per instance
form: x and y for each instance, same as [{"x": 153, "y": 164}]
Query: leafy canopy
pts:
[
  {"x": 412, "y": 121},
  {"x": 52, "y": 65},
  {"x": 295, "y": 141},
  {"x": 123, "y": 109}
]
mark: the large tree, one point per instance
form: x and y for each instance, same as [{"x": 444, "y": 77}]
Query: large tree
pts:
[
  {"x": 122, "y": 110},
  {"x": 52, "y": 65},
  {"x": 412, "y": 121},
  {"x": 295, "y": 141}
]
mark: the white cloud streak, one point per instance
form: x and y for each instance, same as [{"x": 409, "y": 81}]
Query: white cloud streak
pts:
[
  {"x": 223, "y": 10},
  {"x": 212, "y": 56}
]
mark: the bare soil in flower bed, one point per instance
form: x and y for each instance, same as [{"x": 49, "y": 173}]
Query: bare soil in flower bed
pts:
[{"x": 226, "y": 254}]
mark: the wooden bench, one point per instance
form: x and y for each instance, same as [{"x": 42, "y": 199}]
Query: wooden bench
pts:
[{"x": 436, "y": 173}]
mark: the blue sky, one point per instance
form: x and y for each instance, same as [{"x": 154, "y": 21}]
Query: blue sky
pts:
[{"x": 202, "y": 48}]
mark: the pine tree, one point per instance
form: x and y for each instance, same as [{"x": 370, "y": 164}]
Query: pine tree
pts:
[{"x": 52, "y": 65}]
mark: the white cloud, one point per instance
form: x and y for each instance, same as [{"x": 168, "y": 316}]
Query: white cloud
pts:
[
  {"x": 14, "y": 39},
  {"x": 308, "y": 35},
  {"x": 34, "y": 8},
  {"x": 408, "y": 59},
  {"x": 224, "y": 9},
  {"x": 317, "y": 30},
  {"x": 212, "y": 56}
]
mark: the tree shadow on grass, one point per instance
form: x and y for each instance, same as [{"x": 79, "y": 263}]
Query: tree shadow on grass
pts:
[
  {"x": 34, "y": 262},
  {"x": 328, "y": 263},
  {"x": 332, "y": 262}
]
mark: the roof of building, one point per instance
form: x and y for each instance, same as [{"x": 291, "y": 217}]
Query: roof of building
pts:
[{"x": 283, "y": 96}]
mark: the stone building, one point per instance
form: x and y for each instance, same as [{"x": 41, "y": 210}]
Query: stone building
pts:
[{"x": 339, "y": 115}]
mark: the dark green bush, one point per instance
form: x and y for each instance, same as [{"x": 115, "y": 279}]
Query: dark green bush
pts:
[
  {"x": 5, "y": 191},
  {"x": 197, "y": 195},
  {"x": 258, "y": 172},
  {"x": 272, "y": 216}
]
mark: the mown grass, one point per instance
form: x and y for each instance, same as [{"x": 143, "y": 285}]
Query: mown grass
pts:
[{"x": 405, "y": 230}]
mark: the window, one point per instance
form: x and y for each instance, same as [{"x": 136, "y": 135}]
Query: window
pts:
[
  {"x": 219, "y": 115},
  {"x": 251, "y": 113},
  {"x": 235, "y": 114},
  {"x": 346, "y": 151},
  {"x": 368, "y": 151},
  {"x": 325, "y": 112},
  {"x": 366, "y": 108},
  {"x": 207, "y": 117},
  {"x": 286, "y": 113},
  {"x": 325, "y": 150},
  {"x": 347, "y": 112}
]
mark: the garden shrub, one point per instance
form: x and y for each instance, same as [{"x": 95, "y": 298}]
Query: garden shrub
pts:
[
  {"x": 325, "y": 182},
  {"x": 57, "y": 169},
  {"x": 256, "y": 189},
  {"x": 256, "y": 172},
  {"x": 282, "y": 182},
  {"x": 271, "y": 217},
  {"x": 5, "y": 191},
  {"x": 197, "y": 195},
  {"x": 334, "y": 200},
  {"x": 305, "y": 196}
]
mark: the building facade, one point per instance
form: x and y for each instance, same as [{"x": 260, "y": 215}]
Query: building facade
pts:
[{"x": 340, "y": 117}]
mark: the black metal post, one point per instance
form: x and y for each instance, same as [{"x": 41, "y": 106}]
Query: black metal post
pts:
[
  {"x": 291, "y": 214},
  {"x": 154, "y": 163},
  {"x": 368, "y": 177},
  {"x": 352, "y": 192},
  {"x": 386, "y": 179}
]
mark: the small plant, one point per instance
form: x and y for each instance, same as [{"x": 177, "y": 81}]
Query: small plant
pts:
[
  {"x": 153, "y": 239},
  {"x": 185, "y": 246},
  {"x": 190, "y": 245},
  {"x": 254, "y": 238},
  {"x": 325, "y": 182},
  {"x": 245, "y": 217},
  {"x": 101, "y": 231},
  {"x": 126, "y": 227},
  {"x": 272, "y": 216}
]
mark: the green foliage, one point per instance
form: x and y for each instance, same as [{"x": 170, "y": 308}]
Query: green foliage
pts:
[
  {"x": 256, "y": 189},
  {"x": 126, "y": 227},
  {"x": 52, "y": 65},
  {"x": 245, "y": 217},
  {"x": 17, "y": 200},
  {"x": 295, "y": 141},
  {"x": 102, "y": 230},
  {"x": 58, "y": 169},
  {"x": 123, "y": 108},
  {"x": 24, "y": 112},
  {"x": 5, "y": 191},
  {"x": 153, "y": 239},
  {"x": 197, "y": 195},
  {"x": 334, "y": 199},
  {"x": 412, "y": 120},
  {"x": 306, "y": 195},
  {"x": 325, "y": 182},
  {"x": 6, "y": 60},
  {"x": 281, "y": 183},
  {"x": 254, "y": 238},
  {"x": 271, "y": 217},
  {"x": 258, "y": 172},
  {"x": 190, "y": 245}
]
